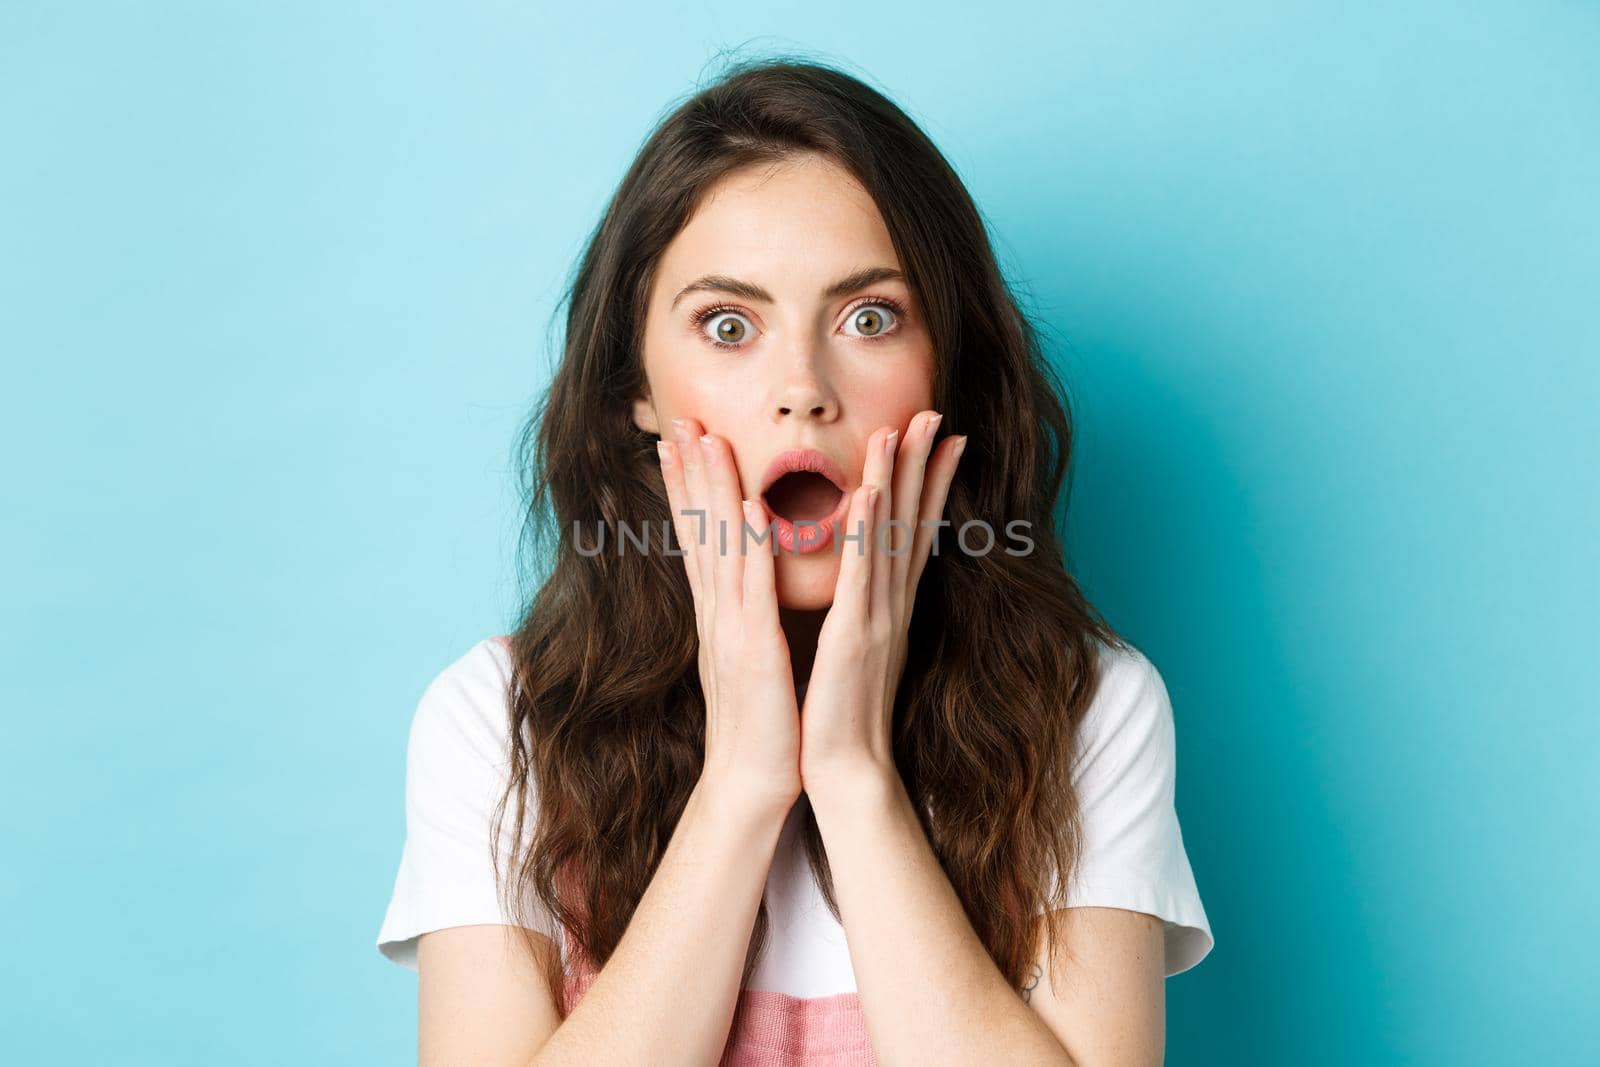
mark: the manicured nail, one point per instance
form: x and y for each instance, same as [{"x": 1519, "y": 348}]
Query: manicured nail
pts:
[
  {"x": 872, "y": 497},
  {"x": 888, "y": 442},
  {"x": 661, "y": 450},
  {"x": 680, "y": 430},
  {"x": 933, "y": 423},
  {"x": 705, "y": 448},
  {"x": 960, "y": 446}
]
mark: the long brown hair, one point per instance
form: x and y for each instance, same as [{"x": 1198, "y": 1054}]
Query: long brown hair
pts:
[{"x": 606, "y": 709}]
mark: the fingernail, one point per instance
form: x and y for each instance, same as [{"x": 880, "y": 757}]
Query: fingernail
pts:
[
  {"x": 872, "y": 496},
  {"x": 888, "y": 442},
  {"x": 680, "y": 430},
  {"x": 661, "y": 450},
  {"x": 960, "y": 446}
]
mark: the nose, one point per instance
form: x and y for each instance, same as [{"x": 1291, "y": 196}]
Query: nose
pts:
[{"x": 803, "y": 393}]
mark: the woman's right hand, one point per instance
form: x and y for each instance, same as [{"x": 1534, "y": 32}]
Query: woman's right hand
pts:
[{"x": 752, "y": 733}]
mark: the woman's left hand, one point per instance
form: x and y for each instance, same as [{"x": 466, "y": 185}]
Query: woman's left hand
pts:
[{"x": 846, "y": 721}]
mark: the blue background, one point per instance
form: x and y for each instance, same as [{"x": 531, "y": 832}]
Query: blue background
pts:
[{"x": 277, "y": 289}]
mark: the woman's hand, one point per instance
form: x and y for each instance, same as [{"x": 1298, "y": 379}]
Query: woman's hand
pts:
[
  {"x": 752, "y": 723},
  {"x": 861, "y": 651}
]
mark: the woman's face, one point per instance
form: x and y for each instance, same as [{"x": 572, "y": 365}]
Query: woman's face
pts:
[{"x": 807, "y": 364}]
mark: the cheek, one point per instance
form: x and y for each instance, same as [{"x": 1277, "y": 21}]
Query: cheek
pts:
[
  {"x": 716, "y": 406},
  {"x": 894, "y": 393},
  {"x": 678, "y": 382}
]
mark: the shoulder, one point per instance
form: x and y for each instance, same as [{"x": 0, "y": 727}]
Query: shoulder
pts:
[
  {"x": 458, "y": 763},
  {"x": 1127, "y": 676},
  {"x": 486, "y": 664},
  {"x": 1133, "y": 855},
  {"x": 1131, "y": 711},
  {"x": 464, "y": 708}
]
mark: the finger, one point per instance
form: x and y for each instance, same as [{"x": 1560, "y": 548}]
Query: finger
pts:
[
  {"x": 677, "y": 501},
  {"x": 724, "y": 539},
  {"x": 935, "y": 494},
  {"x": 910, "y": 470},
  {"x": 760, "y": 580},
  {"x": 853, "y": 588},
  {"x": 695, "y": 501},
  {"x": 882, "y": 569}
]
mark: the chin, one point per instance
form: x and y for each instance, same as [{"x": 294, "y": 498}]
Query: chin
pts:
[{"x": 806, "y": 583}]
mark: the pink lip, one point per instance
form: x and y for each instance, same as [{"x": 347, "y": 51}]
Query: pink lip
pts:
[
  {"x": 802, "y": 459},
  {"x": 818, "y": 532}
]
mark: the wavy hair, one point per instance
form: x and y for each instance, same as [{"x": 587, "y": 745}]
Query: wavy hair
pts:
[{"x": 607, "y": 713}]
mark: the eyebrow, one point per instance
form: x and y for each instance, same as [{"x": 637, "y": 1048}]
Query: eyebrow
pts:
[{"x": 722, "y": 283}]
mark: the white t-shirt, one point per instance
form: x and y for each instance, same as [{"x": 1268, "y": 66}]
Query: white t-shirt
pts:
[{"x": 457, "y": 760}]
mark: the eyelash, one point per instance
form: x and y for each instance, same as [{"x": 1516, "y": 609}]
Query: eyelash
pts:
[{"x": 705, "y": 315}]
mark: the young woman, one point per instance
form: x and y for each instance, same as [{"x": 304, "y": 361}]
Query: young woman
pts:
[{"x": 807, "y": 798}]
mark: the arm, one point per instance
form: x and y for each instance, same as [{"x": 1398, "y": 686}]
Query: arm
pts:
[
  {"x": 666, "y": 995},
  {"x": 1110, "y": 1007},
  {"x": 929, "y": 990},
  {"x": 917, "y": 957}
]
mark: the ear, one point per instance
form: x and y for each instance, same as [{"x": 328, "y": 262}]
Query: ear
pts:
[{"x": 644, "y": 416}]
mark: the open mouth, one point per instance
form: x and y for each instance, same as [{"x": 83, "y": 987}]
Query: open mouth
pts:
[
  {"x": 802, "y": 495},
  {"x": 806, "y": 498}
]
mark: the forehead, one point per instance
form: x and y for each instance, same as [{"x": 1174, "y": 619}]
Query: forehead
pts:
[{"x": 796, "y": 225}]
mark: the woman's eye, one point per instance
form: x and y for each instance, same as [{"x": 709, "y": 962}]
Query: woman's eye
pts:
[
  {"x": 870, "y": 320},
  {"x": 729, "y": 327}
]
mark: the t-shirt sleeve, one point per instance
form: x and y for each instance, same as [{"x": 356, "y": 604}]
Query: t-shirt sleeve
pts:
[
  {"x": 1133, "y": 855},
  {"x": 457, "y": 761}
]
